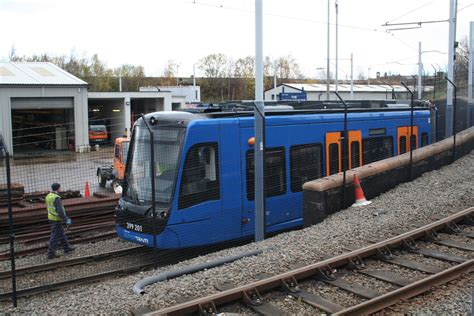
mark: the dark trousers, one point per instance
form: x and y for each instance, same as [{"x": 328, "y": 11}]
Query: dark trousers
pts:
[{"x": 57, "y": 238}]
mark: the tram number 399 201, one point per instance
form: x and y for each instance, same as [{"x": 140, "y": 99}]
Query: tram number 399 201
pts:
[{"x": 135, "y": 227}]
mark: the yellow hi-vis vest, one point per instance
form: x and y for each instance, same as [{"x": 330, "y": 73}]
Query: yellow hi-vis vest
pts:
[{"x": 53, "y": 215}]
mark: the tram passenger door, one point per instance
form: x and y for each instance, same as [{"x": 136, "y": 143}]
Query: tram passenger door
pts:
[
  {"x": 334, "y": 151},
  {"x": 355, "y": 149},
  {"x": 405, "y": 143}
]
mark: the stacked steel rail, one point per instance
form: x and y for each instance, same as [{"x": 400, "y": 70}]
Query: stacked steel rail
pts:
[
  {"x": 31, "y": 223},
  {"x": 250, "y": 294}
]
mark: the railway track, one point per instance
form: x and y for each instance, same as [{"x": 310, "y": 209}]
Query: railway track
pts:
[
  {"x": 28, "y": 272},
  {"x": 78, "y": 239},
  {"x": 431, "y": 254}
]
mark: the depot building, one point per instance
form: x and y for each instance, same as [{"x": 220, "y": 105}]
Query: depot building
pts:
[{"x": 43, "y": 107}]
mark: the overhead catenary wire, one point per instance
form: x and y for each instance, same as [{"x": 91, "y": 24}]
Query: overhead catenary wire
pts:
[
  {"x": 219, "y": 6},
  {"x": 411, "y": 11}
]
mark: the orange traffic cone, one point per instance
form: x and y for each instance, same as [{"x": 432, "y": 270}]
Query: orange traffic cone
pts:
[
  {"x": 87, "y": 193},
  {"x": 359, "y": 194}
]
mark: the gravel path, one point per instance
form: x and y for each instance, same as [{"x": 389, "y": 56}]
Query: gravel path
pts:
[{"x": 437, "y": 193}]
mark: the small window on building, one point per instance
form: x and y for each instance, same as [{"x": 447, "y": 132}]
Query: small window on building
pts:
[
  {"x": 305, "y": 165},
  {"x": 200, "y": 177},
  {"x": 376, "y": 148},
  {"x": 424, "y": 139},
  {"x": 355, "y": 154},
  {"x": 275, "y": 173}
]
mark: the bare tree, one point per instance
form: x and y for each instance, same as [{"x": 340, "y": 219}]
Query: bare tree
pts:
[
  {"x": 214, "y": 65},
  {"x": 288, "y": 68}
]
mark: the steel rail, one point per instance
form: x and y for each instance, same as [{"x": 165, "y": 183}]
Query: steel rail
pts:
[
  {"x": 87, "y": 279},
  {"x": 408, "y": 291},
  {"x": 18, "y": 253},
  {"x": 273, "y": 282},
  {"x": 69, "y": 262},
  {"x": 74, "y": 230}
]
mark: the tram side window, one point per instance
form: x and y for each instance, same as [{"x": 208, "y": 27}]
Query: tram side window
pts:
[
  {"x": 333, "y": 158},
  {"x": 305, "y": 165},
  {"x": 275, "y": 173},
  {"x": 412, "y": 142},
  {"x": 200, "y": 177},
  {"x": 403, "y": 145},
  {"x": 355, "y": 154},
  {"x": 376, "y": 148},
  {"x": 424, "y": 139}
]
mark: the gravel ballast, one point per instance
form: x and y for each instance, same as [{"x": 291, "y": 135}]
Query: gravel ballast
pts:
[{"x": 435, "y": 194}]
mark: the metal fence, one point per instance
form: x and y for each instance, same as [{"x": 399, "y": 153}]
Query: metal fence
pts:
[{"x": 195, "y": 196}]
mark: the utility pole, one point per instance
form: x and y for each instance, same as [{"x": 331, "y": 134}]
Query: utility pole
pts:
[
  {"x": 337, "y": 42},
  {"x": 451, "y": 55},
  {"x": 435, "y": 75},
  {"x": 259, "y": 127},
  {"x": 194, "y": 83},
  {"x": 177, "y": 72},
  {"x": 274, "y": 75},
  {"x": 328, "y": 91},
  {"x": 120, "y": 79},
  {"x": 420, "y": 66},
  {"x": 470, "y": 75},
  {"x": 352, "y": 77}
]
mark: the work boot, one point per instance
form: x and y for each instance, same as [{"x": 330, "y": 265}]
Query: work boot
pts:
[
  {"x": 69, "y": 249},
  {"x": 53, "y": 256}
]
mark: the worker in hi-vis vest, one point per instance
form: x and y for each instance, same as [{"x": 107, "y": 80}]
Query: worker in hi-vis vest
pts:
[{"x": 57, "y": 217}]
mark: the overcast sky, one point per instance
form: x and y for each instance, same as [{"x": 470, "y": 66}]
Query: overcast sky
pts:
[{"x": 150, "y": 33}]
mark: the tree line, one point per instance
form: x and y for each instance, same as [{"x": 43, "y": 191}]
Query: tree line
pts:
[{"x": 223, "y": 78}]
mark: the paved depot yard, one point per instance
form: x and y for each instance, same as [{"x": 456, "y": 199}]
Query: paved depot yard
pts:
[{"x": 38, "y": 170}]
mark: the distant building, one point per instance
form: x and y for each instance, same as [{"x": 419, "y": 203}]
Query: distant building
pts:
[
  {"x": 314, "y": 92},
  {"x": 180, "y": 95},
  {"x": 42, "y": 107}
]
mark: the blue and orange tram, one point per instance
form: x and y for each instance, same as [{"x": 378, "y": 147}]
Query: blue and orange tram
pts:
[{"x": 204, "y": 168}]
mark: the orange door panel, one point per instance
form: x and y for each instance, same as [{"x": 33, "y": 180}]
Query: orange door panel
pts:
[
  {"x": 403, "y": 138},
  {"x": 333, "y": 153},
  {"x": 355, "y": 137}
]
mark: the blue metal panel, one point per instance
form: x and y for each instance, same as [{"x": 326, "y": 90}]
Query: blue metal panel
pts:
[{"x": 211, "y": 222}]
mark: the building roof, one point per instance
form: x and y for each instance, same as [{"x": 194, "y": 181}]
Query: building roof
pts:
[
  {"x": 36, "y": 73},
  {"x": 345, "y": 87}
]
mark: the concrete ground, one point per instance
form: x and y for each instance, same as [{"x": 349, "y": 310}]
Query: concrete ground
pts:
[{"x": 37, "y": 171}]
